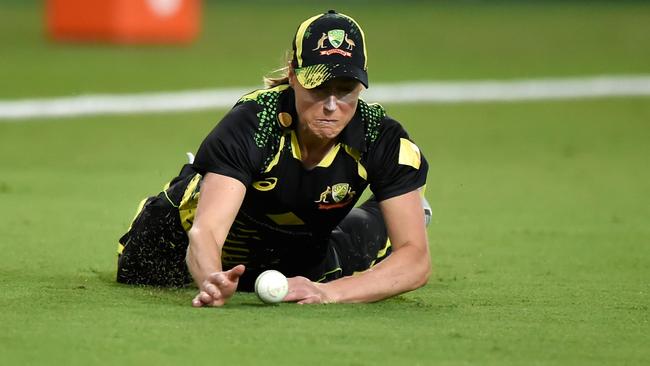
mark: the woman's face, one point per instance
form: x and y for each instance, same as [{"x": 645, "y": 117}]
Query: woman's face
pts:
[{"x": 324, "y": 111}]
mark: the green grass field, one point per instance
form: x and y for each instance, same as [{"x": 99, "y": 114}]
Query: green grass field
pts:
[{"x": 540, "y": 237}]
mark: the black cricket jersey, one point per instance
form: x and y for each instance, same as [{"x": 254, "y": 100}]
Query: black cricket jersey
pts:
[{"x": 289, "y": 212}]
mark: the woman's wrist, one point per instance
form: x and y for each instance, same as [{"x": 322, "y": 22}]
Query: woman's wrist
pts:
[{"x": 330, "y": 292}]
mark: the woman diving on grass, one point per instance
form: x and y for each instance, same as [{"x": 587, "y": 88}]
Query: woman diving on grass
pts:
[{"x": 274, "y": 186}]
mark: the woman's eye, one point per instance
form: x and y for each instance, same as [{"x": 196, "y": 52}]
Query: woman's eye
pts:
[
  {"x": 339, "y": 92},
  {"x": 345, "y": 91},
  {"x": 318, "y": 92}
]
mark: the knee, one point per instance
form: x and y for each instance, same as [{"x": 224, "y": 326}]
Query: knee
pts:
[{"x": 363, "y": 218}]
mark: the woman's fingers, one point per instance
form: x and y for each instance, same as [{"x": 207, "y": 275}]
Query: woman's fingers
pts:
[
  {"x": 218, "y": 279},
  {"x": 196, "y": 302},
  {"x": 205, "y": 298},
  {"x": 303, "y": 291},
  {"x": 219, "y": 287},
  {"x": 311, "y": 300},
  {"x": 236, "y": 272},
  {"x": 212, "y": 290},
  {"x": 201, "y": 299}
]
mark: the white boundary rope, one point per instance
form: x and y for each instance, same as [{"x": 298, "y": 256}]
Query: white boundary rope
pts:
[{"x": 404, "y": 92}]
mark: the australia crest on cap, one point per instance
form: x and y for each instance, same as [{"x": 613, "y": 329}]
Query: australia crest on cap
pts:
[{"x": 327, "y": 46}]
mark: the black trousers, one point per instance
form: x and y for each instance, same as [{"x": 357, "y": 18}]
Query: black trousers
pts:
[{"x": 153, "y": 251}]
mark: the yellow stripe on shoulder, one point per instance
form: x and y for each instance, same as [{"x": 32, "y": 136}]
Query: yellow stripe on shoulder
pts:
[
  {"x": 409, "y": 153},
  {"x": 254, "y": 96}
]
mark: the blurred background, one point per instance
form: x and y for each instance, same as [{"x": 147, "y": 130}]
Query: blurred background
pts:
[{"x": 412, "y": 40}]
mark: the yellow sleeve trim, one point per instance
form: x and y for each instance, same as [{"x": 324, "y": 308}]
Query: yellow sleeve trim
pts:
[{"x": 409, "y": 153}]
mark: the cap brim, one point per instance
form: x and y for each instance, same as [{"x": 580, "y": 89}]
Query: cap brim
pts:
[{"x": 312, "y": 76}]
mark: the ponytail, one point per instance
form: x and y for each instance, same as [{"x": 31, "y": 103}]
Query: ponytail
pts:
[{"x": 279, "y": 76}]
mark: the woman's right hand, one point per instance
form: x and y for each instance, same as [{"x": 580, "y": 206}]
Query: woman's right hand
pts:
[
  {"x": 218, "y": 287},
  {"x": 220, "y": 200}
]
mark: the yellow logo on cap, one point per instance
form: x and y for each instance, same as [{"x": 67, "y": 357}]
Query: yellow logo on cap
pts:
[
  {"x": 336, "y": 37},
  {"x": 350, "y": 43},
  {"x": 321, "y": 42}
]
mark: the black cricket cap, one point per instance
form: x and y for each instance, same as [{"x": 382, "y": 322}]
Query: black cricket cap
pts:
[{"x": 327, "y": 46}]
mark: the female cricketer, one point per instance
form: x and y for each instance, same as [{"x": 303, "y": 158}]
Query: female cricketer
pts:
[{"x": 274, "y": 186}]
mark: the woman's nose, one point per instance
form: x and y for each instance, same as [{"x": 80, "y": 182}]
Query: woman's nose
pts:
[{"x": 330, "y": 103}]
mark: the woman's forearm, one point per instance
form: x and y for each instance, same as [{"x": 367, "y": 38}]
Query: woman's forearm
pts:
[
  {"x": 203, "y": 255},
  {"x": 221, "y": 197},
  {"x": 406, "y": 269}
]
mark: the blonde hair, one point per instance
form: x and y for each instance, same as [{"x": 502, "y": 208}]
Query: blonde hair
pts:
[{"x": 279, "y": 76}]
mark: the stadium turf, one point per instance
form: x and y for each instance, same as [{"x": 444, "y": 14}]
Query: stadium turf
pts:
[{"x": 540, "y": 237}]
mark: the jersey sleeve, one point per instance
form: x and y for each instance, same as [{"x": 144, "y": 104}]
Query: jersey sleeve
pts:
[
  {"x": 230, "y": 148},
  {"x": 396, "y": 164}
]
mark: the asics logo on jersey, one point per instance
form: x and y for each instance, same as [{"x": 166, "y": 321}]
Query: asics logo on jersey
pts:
[{"x": 266, "y": 184}]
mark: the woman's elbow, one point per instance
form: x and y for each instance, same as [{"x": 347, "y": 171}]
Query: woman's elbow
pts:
[
  {"x": 422, "y": 273},
  {"x": 193, "y": 234},
  {"x": 423, "y": 279},
  {"x": 198, "y": 234},
  {"x": 196, "y": 241}
]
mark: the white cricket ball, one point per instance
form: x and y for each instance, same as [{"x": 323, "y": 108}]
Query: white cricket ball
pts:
[{"x": 271, "y": 286}]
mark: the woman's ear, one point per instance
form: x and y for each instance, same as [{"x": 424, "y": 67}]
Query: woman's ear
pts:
[{"x": 292, "y": 75}]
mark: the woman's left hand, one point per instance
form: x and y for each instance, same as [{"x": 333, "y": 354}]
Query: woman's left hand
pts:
[{"x": 304, "y": 291}]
